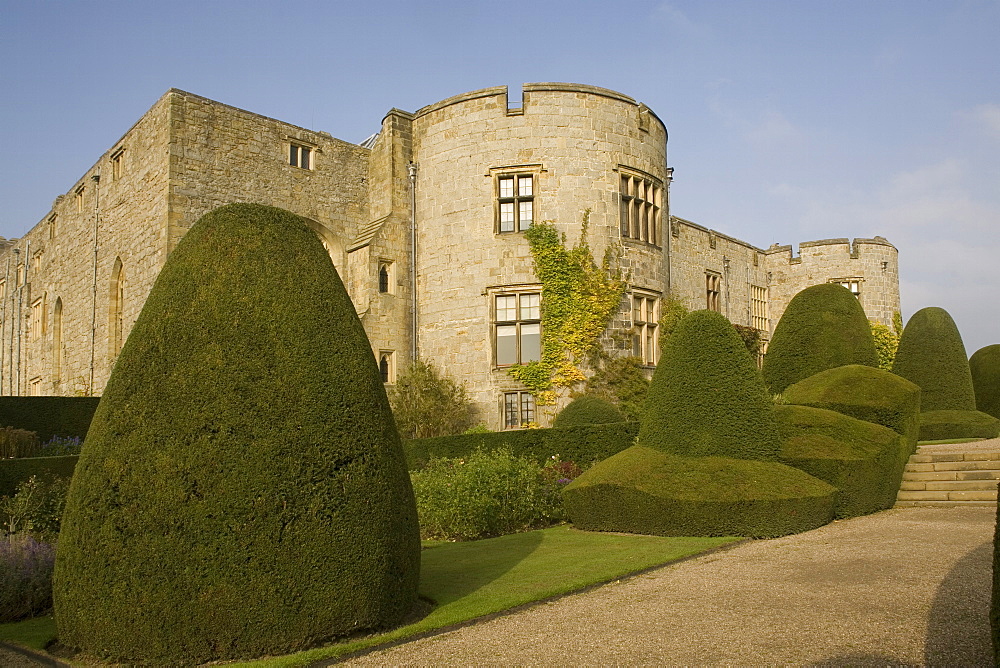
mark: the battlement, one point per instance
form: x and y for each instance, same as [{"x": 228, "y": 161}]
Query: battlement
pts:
[{"x": 826, "y": 248}]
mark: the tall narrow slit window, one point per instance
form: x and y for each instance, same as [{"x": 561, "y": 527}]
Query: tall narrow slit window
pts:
[
  {"x": 117, "y": 164},
  {"x": 518, "y": 328},
  {"x": 385, "y": 278},
  {"x": 713, "y": 288},
  {"x": 640, "y": 201},
  {"x": 116, "y": 306},
  {"x": 515, "y": 202},
  {"x": 387, "y": 366},
  {"x": 645, "y": 337},
  {"x": 300, "y": 156},
  {"x": 518, "y": 410}
]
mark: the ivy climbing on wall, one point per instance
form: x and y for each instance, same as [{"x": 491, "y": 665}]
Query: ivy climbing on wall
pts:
[{"x": 579, "y": 298}]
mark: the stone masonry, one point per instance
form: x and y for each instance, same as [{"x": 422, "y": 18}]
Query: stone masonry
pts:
[{"x": 437, "y": 182}]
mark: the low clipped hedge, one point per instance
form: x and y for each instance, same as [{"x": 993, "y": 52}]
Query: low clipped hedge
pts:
[
  {"x": 985, "y": 367},
  {"x": 584, "y": 445},
  {"x": 932, "y": 355},
  {"x": 823, "y": 327},
  {"x": 863, "y": 460},
  {"x": 865, "y": 393},
  {"x": 945, "y": 425},
  {"x": 647, "y": 491},
  {"x": 585, "y": 410},
  {"x": 49, "y": 416},
  {"x": 15, "y": 471}
]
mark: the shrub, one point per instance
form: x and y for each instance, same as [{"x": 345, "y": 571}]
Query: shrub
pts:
[
  {"x": 621, "y": 381},
  {"x": 488, "y": 494},
  {"x": 886, "y": 341},
  {"x": 931, "y": 354},
  {"x": 25, "y": 577},
  {"x": 944, "y": 425},
  {"x": 586, "y": 410},
  {"x": 585, "y": 444},
  {"x": 243, "y": 490},
  {"x": 707, "y": 397},
  {"x": 49, "y": 416},
  {"x": 865, "y": 393},
  {"x": 36, "y": 508},
  {"x": 18, "y": 443},
  {"x": 425, "y": 403},
  {"x": 15, "y": 471},
  {"x": 60, "y": 446},
  {"x": 642, "y": 490},
  {"x": 823, "y": 327},
  {"x": 985, "y": 367},
  {"x": 864, "y": 461}
]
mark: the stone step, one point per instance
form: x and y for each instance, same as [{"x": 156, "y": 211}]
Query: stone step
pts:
[
  {"x": 982, "y": 465},
  {"x": 949, "y": 485},
  {"x": 946, "y": 495},
  {"x": 921, "y": 458},
  {"x": 939, "y": 504},
  {"x": 950, "y": 479}
]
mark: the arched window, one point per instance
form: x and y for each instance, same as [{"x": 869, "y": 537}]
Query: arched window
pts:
[
  {"x": 57, "y": 335},
  {"x": 384, "y": 276},
  {"x": 387, "y": 366},
  {"x": 116, "y": 333}
]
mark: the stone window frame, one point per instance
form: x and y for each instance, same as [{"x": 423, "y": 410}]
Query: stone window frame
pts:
[
  {"x": 852, "y": 283},
  {"x": 35, "y": 387},
  {"x": 51, "y": 224},
  {"x": 302, "y": 154},
  {"x": 38, "y": 328},
  {"x": 640, "y": 206},
  {"x": 713, "y": 291},
  {"x": 645, "y": 316},
  {"x": 758, "y": 308},
  {"x": 517, "y": 409},
  {"x": 117, "y": 161},
  {"x": 518, "y": 313},
  {"x": 386, "y": 276},
  {"x": 387, "y": 366},
  {"x": 516, "y": 199},
  {"x": 78, "y": 198}
]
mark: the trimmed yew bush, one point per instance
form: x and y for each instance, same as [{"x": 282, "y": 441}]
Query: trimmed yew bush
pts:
[
  {"x": 707, "y": 397},
  {"x": 863, "y": 460},
  {"x": 985, "y": 367},
  {"x": 932, "y": 355},
  {"x": 945, "y": 425},
  {"x": 865, "y": 393},
  {"x": 242, "y": 489},
  {"x": 586, "y": 410},
  {"x": 647, "y": 491},
  {"x": 823, "y": 327}
]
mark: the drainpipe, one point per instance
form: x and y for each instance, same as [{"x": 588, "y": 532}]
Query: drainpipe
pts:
[
  {"x": 411, "y": 168},
  {"x": 96, "y": 178},
  {"x": 725, "y": 269}
]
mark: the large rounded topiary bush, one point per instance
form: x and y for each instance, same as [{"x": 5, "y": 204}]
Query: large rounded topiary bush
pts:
[
  {"x": 985, "y": 367},
  {"x": 705, "y": 459},
  {"x": 823, "y": 327},
  {"x": 587, "y": 409},
  {"x": 932, "y": 355},
  {"x": 242, "y": 489}
]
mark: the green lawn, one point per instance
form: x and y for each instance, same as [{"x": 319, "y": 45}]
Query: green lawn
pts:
[
  {"x": 474, "y": 579},
  {"x": 950, "y": 440}
]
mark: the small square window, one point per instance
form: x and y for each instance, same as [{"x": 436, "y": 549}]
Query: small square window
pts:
[
  {"x": 300, "y": 156},
  {"x": 515, "y": 202},
  {"x": 517, "y": 328},
  {"x": 518, "y": 410}
]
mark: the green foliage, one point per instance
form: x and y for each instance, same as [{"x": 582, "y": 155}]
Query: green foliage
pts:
[
  {"x": 949, "y": 424},
  {"x": 751, "y": 339},
  {"x": 864, "y": 461},
  {"x": 642, "y": 490},
  {"x": 18, "y": 443},
  {"x": 485, "y": 494},
  {"x": 707, "y": 397},
  {"x": 584, "y": 444},
  {"x": 36, "y": 507},
  {"x": 15, "y": 471},
  {"x": 587, "y": 409},
  {"x": 25, "y": 577},
  {"x": 886, "y": 343},
  {"x": 621, "y": 381},
  {"x": 580, "y": 299},
  {"x": 672, "y": 311},
  {"x": 985, "y": 367},
  {"x": 823, "y": 327},
  {"x": 865, "y": 393},
  {"x": 931, "y": 354},
  {"x": 427, "y": 403},
  {"x": 49, "y": 416},
  {"x": 242, "y": 491}
]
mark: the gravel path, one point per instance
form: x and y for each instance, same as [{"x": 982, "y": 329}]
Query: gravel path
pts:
[{"x": 901, "y": 587}]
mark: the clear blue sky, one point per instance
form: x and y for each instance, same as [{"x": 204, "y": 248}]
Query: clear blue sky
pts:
[{"x": 789, "y": 120}]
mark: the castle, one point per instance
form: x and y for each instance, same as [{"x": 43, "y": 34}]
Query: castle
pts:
[{"x": 424, "y": 222}]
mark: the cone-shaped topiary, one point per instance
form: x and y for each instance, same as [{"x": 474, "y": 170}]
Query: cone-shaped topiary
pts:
[
  {"x": 707, "y": 397},
  {"x": 242, "y": 490},
  {"x": 985, "y": 367},
  {"x": 823, "y": 327},
  {"x": 931, "y": 354},
  {"x": 587, "y": 409}
]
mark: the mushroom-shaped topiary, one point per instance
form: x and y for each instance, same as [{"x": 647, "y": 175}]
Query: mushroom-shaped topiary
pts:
[
  {"x": 932, "y": 355},
  {"x": 242, "y": 490},
  {"x": 587, "y": 409},
  {"x": 823, "y": 327},
  {"x": 985, "y": 367},
  {"x": 705, "y": 462}
]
